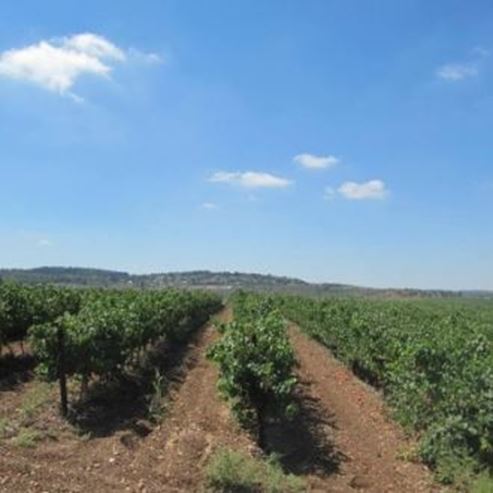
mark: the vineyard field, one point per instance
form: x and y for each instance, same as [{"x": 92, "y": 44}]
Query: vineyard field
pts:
[
  {"x": 432, "y": 359},
  {"x": 308, "y": 394}
]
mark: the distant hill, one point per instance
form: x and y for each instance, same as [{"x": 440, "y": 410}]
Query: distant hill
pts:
[
  {"x": 223, "y": 282},
  {"x": 73, "y": 276}
]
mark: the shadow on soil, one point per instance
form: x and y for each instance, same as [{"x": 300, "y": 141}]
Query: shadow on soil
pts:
[
  {"x": 15, "y": 369},
  {"x": 303, "y": 444},
  {"x": 124, "y": 404}
]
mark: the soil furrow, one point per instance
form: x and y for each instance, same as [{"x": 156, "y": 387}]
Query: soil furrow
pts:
[
  {"x": 198, "y": 423},
  {"x": 366, "y": 443}
]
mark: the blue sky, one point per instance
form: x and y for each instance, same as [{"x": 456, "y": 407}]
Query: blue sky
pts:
[{"x": 345, "y": 141}]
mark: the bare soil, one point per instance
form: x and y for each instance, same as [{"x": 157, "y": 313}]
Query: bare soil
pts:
[
  {"x": 349, "y": 420},
  {"x": 341, "y": 441},
  {"x": 135, "y": 456}
]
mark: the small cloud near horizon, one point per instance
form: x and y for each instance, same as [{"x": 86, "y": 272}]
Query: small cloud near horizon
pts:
[
  {"x": 457, "y": 71},
  {"x": 370, "y": 190},
  {"x": 44, "y": 242},
  {"x": 250, "y": 179},
  {"x": 311, "y": 161}
]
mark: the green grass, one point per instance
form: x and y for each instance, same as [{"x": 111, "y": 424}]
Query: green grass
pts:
[
  {"x": 22, "y": 428},
  {"x": 233, "y": 472},
  {"x": 157, "y": 403},
  {"x": 27, "y": 438},
  {"x": 483, "y": 484},
  {"x": 37, "y": 397},
  {"x": 3, "y": 427}
]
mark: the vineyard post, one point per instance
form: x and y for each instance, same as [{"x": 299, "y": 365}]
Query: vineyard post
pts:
[{"x": 62, "y": 378}]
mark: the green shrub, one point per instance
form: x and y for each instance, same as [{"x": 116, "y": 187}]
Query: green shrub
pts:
[
  {"x": 230, "y": 471},
  {"x": 256, "y": 364}
]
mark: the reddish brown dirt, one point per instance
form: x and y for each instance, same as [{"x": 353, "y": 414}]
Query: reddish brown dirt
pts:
[
  {"x": 348, "y": 419},
  {"x": 169, "y": 459},
  {"x": 198, "y": 423}
]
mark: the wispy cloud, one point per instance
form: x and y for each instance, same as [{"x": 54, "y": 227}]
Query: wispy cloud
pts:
[
  {"x": 457, "y": 71},
  {"x": 150, "y": 58},
  {"x": 481, "y": 51},
  {"x": 310, "y": 161},
  {"x": 210, "y": 206},
  {"x": 44, "y": 242},
  {"x": 57, "y": 64},
  {"x": 250, "y": 179},
  {"x": 329, "y": 193},
  {"x": 373, "y": 189}
]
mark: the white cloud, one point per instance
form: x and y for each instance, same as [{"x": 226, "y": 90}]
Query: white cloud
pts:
[
  {"x": 311, "y": 161},
  {"x": 373, "y": 189},
  {"x": 43, "y": 243},
  {"x": 250, "y": 179},
  {"x": 57, "y": 64},
  {"x": 457, "y": 71},
  {"x": 209, "y": 206},
  {"x": 93, "y": 45}
]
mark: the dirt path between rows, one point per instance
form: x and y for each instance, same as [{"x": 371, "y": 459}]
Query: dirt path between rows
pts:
[
  {"x": 347, "y": 421},
  {"x": 169, "y": 458},
  {"x": 198, "y": 423}
]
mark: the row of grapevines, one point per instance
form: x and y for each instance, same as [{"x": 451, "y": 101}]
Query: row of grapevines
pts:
[
  {"x": 23, "y": 306},
  {"x": 256, "y": 362},
  {"x": 434, "y": 361},
  {"x": 94, "y": 332},
  {"x": 113, "y": 327}
]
